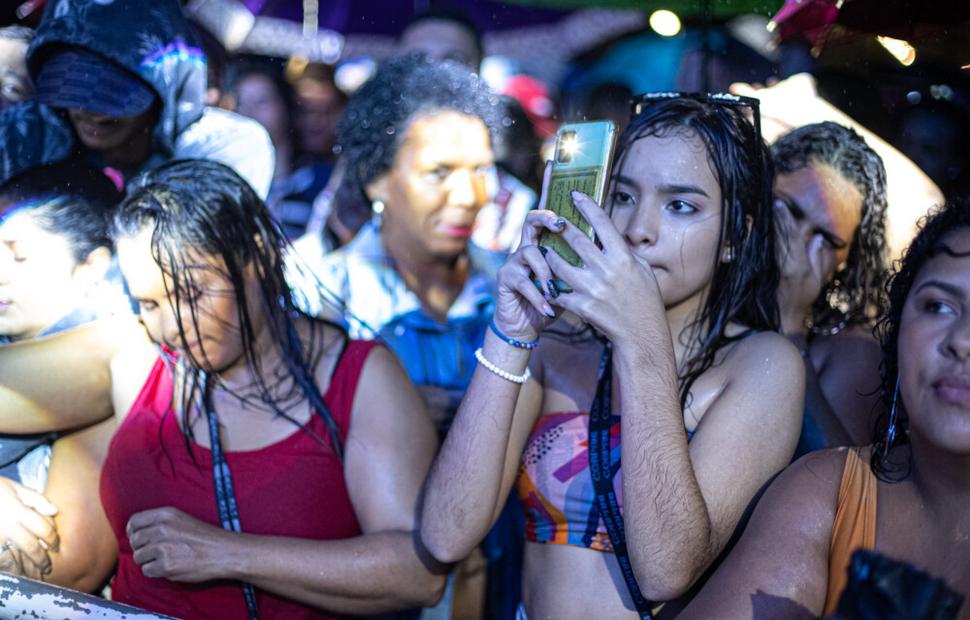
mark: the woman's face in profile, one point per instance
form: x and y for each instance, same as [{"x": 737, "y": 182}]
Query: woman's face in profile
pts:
[
  {"x": 205, "y": 310},
  {"x": 436, "y": 187},
  {"x": 38, "y": 283},
  {"x": 934, "y": 347},
  {"x": 666, "y": 201}
]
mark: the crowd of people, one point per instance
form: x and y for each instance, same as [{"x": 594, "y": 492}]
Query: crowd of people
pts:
[{"x": 270, "y": 350}]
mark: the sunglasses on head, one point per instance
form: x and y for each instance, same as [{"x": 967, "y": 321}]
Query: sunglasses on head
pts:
[{"x": 724, "y": 99}]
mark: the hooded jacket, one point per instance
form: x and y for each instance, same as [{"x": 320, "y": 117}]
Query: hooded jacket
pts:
[{"x": 150, "y": 39}]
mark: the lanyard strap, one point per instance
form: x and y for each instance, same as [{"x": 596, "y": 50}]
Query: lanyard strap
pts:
[
  {"x": 602, "y": 470},
  {"x": 225, "y": 493}
]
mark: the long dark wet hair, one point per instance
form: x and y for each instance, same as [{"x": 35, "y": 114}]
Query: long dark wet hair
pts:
[
  {"x": 926, "y": 245},
  {"x": 854, "y": 295},
  {"x": 198, "y": 208},
  {"x": 742, "y": 291}
]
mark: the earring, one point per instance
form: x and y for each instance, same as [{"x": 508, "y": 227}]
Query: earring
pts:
[
  {"x": 377, "y": 212},
  {"x": 891, "y": 429},
  {"x": 727, "y": 255}
]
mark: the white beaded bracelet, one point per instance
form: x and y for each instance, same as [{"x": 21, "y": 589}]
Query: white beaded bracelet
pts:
[{"x": 502, "y": 373}]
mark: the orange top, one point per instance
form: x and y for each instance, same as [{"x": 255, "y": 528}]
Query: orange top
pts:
[{"x": 855, "y": 522}]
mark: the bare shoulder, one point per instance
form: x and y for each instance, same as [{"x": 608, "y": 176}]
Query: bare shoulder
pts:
[
  {"x": 129, "y": 371},
  {"x": 762, "y": 355}
]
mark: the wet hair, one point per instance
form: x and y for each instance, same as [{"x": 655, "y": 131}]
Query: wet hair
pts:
[
  {"x": 379, "y": 114},
  {"x": 926, "y": 245},
  {"x": 854, "y": 294},
  {"x": 744, "y": 290},
  {"x": 452, "y": 16},
  {"x": 67, "y": 199},
  {"x": 203, "y": 208}
]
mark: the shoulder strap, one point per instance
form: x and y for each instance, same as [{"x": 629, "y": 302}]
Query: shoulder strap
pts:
[
  {"x": 602, "y": 470},
  {"x": 854, "y": 526}
]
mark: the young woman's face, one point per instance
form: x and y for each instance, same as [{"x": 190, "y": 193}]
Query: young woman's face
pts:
[
  {"x": 39, "y": 282},
  {"x": 436, "y": 187},
  {"x": 818, "y": 211},
  {"x": 934, "y": 347},
  {"x": 213, "y": 337},
  {"x": 666, "y": 201},
  {"x": 258, "y": 98}
]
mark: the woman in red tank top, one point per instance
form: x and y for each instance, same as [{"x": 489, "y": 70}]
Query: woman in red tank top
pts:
[{"x": 257, "y": 471}]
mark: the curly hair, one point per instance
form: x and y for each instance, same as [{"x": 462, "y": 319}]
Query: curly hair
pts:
[
  {"x": 378, "y": 116},
  {"x": 854, "y": 294},
  {"x": 926, "y": 245},
  {"x": 742, "y": 291}
]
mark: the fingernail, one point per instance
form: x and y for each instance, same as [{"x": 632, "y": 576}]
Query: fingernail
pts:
[
  {"x": 543, "y": 250},
  {"x": 553, "y": 292},
  {"x": 560, "y": 222},
  {"x": 550, "y": 312}
]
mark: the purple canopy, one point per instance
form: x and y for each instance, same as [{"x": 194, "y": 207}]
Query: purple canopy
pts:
[{"x": 387, "y": 18}]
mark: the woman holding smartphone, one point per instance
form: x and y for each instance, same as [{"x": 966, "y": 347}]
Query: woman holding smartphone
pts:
[{"x": 677, "y": 308}]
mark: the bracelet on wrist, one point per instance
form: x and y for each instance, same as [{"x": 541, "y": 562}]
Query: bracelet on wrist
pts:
[
  {"x": 518, "y": 344},
  {"x": 520, "y": 379}
]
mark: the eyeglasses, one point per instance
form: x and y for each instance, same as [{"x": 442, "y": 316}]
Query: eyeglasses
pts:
[{"x": 725, "y": 99}]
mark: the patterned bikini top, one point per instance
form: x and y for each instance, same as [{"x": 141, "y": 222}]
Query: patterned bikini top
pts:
[{"x": 555, "y": 486}]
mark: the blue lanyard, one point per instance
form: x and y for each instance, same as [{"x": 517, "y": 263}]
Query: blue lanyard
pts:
[
  {"x": 225, "y": 494},
  {"x": 602, "y": 469}
]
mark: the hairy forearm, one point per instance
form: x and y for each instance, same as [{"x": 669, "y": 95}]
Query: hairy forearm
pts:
[
  {"x": 669, "y": 532},
  {"x": 372, "y": 573},
  {"x": 462, "y": 495}
]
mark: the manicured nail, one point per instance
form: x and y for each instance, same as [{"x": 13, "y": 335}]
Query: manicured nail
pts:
[
  {"x": 543, "y": 250},
  {"x": 577, "y": 196},
  {"x": 560, "y": 223},
  {"x": 550, "y": 312},
  {"x": 539, "y": 288},
  {"x": 553, "y": 291}
]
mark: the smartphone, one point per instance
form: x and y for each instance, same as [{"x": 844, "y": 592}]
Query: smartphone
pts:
[{"x": 581, "y": 162}]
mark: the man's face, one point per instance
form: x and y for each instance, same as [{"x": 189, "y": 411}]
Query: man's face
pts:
[
  {"x": 15, "y": 84},
  {"x": 441, "y": 39},
  {"x": 100, "y": 132}
]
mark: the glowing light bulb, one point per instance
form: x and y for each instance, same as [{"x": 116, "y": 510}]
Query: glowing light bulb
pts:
[
  {"x": 900, "y": 50},
  {"x": 665, "y": 23}
]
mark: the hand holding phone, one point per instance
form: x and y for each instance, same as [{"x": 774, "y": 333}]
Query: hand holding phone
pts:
[{"x": 582, "y": 161}]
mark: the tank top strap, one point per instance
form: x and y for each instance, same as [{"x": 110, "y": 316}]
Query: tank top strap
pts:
[
  {"x": 855, "y": 522},
  {"x": 343, "y": 384}
]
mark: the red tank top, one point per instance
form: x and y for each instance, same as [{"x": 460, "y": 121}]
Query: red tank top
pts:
[{"x": 294, "y": 487}]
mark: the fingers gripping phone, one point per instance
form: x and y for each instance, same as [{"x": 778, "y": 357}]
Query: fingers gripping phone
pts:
[{"x": 582, "y": 161}]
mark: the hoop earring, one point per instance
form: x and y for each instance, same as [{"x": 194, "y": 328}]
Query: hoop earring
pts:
[
  {"x": 377, "y": 212},
  {"x": 893, "y": 416}
]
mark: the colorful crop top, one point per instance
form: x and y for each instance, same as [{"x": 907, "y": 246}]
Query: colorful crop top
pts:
[{"x": 555, "y": 486}]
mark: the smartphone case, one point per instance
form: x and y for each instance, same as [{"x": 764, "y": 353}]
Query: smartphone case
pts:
[{"x": 586, "y": 168}]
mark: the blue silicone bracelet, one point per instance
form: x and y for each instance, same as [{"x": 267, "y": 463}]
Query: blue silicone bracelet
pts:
[{"x": 518, "y": 344}]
